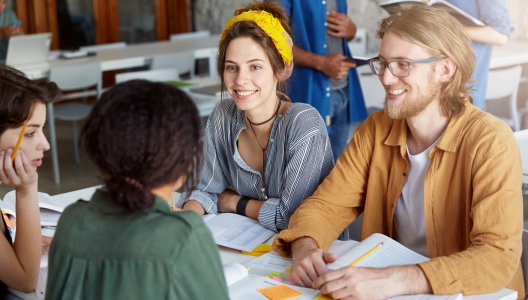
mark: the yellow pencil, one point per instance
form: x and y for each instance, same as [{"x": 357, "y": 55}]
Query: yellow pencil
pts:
[
  {"x": 13, "y": 156},
  {"x": 367, "y": 254}
]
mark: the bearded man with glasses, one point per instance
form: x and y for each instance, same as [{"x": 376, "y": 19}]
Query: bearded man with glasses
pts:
[{"x": 430, "y": 170}]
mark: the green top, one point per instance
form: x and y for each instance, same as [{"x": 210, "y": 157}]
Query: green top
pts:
[
  {"x": 101, "y": 251},
  {"x": 7, "y": 17}
]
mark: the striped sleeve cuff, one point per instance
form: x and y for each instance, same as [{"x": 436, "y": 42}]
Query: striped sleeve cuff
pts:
[
  {"x": 207, "y": 200},
  {"x": 268, "y": 214}
]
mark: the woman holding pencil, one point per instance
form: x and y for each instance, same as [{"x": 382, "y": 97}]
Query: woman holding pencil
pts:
[
  {"x": 263, "y": 154},
  {"x": 22, "y": 145}
]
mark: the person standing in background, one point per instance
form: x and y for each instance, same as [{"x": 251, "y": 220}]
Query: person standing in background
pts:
[
  {"x": 9, "y": 26},
  {"x": 324, "y": 75},
  {"x": 495, "y": 15}
]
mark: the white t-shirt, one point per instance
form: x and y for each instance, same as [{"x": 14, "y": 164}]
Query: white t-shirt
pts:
[{"x": 409, "y": 217}]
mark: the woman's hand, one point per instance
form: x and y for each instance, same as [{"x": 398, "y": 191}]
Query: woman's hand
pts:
[
  {"x": 46, "y": 243},
  {"x": 19, "y": 173},
  {"x": 227, "y": 201}
]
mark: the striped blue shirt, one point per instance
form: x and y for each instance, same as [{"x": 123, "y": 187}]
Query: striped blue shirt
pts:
[{"x": 298, "y": 158}]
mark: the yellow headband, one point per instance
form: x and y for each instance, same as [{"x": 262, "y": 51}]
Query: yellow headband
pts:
[{"x": 272, "y": 27}]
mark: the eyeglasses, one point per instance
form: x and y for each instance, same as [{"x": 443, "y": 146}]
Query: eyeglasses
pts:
[{"x": 398, "y": 68}]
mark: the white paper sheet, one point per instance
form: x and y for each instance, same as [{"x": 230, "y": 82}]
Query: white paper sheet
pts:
[{"x": 237, "y": 232}]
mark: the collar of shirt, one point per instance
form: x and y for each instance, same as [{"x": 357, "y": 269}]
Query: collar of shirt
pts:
[
  {"x": 448, "y": 141},
  {"x": 102, "y": 202}
]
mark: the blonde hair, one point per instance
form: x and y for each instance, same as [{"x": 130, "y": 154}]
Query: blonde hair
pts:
[{"x": 442, "y": 36}]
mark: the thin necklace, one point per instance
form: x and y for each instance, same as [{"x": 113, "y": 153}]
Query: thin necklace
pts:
[{"x": 263, "y": 190}]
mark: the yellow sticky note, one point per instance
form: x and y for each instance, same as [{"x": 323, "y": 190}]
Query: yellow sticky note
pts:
[
  {"x": 263, "y": 247},
  {"x": 260, "y": 250},
  {"x": 323, "y": 297},
  {"x": 288, "y": 271},
  {"x": 279, "y": 292}
]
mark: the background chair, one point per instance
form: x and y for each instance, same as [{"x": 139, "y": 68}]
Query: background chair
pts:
[
  {"x": 199, "y": 54},
  {"x": 183, "y": 61},
  {"x": 189, "y": 35},
  {"x": 152, "y": 75},
  {"x": 504, "y": 83},
  {"x": 95, "y": 48},
  {"x": 211, "y": 54},
  {"x": 71, "y": 78}
]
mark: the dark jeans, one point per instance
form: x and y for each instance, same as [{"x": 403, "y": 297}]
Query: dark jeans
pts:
[{"x": 339, "y": 121}]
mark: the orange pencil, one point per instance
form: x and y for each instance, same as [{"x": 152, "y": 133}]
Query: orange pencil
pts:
[{"x": 13, "y": 156}]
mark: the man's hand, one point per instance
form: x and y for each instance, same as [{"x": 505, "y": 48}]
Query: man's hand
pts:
[
  {"x": 309, "y": 262},
  {"x": 337, "y": 65},
  {"x": 370, "y": 283},
  {"x": 227, "y": 201},
  {"x": 340, "y": 26},
  {"x": 9, "y": 31}
]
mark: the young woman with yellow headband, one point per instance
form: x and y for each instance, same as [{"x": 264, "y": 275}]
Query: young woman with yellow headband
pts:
[{"x": 263, "y": 154}]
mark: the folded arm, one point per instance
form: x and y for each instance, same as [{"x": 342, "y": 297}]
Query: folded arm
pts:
[
  {"x": 308, "y": 161},
  {"x": 204, "y": 198}
]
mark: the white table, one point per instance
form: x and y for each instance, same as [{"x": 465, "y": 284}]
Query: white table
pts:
[
  {"x": 230, "y": 255},
  {"x": 204, "y": 103},
  {"x": 137, "y": 55},
  {"x": 511, "y": 54}
]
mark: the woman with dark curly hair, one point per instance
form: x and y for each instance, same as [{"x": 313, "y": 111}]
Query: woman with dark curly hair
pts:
[{"x": 125, "y": 243}]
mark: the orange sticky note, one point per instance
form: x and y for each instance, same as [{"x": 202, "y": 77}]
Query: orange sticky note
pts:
[{"x": 279, "y": 292}]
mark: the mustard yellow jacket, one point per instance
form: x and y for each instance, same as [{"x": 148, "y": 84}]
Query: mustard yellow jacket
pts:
[{"x": 472, "y": 200}]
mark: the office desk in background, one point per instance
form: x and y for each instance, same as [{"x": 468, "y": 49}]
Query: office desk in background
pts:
[
  {"x": 511, "y": 54},
  {"x": 230, "y": 255},
  {"x": 132, "y": 56}
]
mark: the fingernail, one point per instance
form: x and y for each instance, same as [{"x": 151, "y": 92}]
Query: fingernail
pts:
[
  {"x": 10, "y": 150},
  {"x": 2, "y": 152}
]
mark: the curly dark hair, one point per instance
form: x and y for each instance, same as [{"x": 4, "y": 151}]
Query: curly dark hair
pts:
[
  {"x": 143, "y": 135},
  {"x": 19, "y": 95}
]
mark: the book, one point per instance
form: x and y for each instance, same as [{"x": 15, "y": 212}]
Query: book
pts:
[
  {"x": 391, "y": 254},
  {"x": 243, "y": 286},
  {"x": 183, "y": 85},
  {"x": 50, "y": 209},
  {"x": 40, "y": 290},
  {"x": 361, "y": 60},
  {"x": 236, "y": 231},
  {"x": 463, "y": 17}
]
